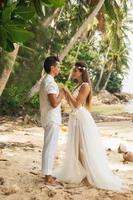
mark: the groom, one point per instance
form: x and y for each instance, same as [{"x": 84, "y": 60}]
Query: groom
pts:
[{"x": 50, "y": 98}]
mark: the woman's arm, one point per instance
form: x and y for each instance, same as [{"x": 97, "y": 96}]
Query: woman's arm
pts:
[
  {"x": 67, "y": 98},
  {"x": 81, "y": 98}
]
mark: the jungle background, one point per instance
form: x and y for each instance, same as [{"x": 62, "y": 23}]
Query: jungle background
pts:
[
  {"x": 102, "y": 42},
  {"x": 95, "y": 31}
]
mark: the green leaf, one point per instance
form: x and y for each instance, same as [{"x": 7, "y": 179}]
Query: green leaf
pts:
[
  {"x": 3, "y": 37},
  {"x": 58, "y": 3},
  {"x": 18, "y": 34},
  {"x": 10, "y": 46},
  {"x": 47, "y": 2},
  {"x": 39, "y": 7},
  {"x": 20, "y": 23},
  {"x": 8, "y": 2},
  {"x": 110, "y": 9},
  {"x": 6, "y": 13},
  {"x": 25, "y": 12},
  {"x": 54, "y": 3}
]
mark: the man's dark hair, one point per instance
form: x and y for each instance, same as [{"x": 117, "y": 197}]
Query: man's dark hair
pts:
[{"x": 50, "y": 61}]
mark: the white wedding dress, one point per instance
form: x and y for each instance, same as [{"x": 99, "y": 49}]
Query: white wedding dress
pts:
[{"x": 85, "y": 155}]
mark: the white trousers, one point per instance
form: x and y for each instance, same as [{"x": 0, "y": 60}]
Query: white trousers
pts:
[{"x": 51, "y": 132}]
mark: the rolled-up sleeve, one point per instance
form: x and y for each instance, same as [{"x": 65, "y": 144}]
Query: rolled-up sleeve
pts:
[{"x": 51, "y": 88}]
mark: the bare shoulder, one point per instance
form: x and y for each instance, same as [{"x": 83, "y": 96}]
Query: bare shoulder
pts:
[{"x": 85, "y": 86}]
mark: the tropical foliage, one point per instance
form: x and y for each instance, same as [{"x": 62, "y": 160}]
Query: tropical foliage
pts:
[
  {"x": 17, "y": 17},
  {"x": 102, "y": 44}
]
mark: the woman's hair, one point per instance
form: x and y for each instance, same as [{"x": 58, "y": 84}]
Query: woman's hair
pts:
[{"x": 82, "y": 67}]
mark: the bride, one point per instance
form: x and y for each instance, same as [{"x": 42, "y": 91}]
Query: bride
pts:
[{"x": 85, "y": 156}]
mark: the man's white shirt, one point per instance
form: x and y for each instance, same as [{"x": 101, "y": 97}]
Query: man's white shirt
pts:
[{"x": 48, "y": 113}]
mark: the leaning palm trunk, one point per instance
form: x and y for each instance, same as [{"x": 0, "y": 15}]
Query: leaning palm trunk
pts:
[
  {"x": 81, "y": 30},
  {"x": 53, "y": 16},
  {"x": 12, "y": 56},
  {"x": 107, "y": 80},
  {"x": 79, "y": 46},
  {"x": 72, "y": 41},
  {"x": 97, "y": 87},
  {"x": 80, "y": 43},
  {"x": 110, "y": 68},
  {"x": 49, "y": 20},
  {"x": 99, "y": 80},
  {"x": 8, "y": 69}
]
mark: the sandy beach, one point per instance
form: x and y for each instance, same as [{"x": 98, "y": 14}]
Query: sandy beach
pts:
[{"x": 20, "y": 163}]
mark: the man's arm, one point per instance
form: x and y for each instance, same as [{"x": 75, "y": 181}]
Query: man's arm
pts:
[{"x": 55, "y": 100}]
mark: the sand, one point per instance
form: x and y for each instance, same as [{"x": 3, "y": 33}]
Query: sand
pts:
[{"x": 20, "y": 163}]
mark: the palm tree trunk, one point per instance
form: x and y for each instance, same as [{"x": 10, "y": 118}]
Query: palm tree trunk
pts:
[
  {"x": 8, "y": 69},
  {"x": 47, "y": 22},
  {"x": 80, "y": 43},
  {"x": 1, "y": 2},
  {"x": 12, "y": 56},
  {"x": 81, "y": 30},
  {"x": 72, "y": 41},
  {"x": 107, "y": 80},
  {"x": 97, "y": 87},
  {"x": 53, "y": 16},
  {"x": 79, "y": 46}
]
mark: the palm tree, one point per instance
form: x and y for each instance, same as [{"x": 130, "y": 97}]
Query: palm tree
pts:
[
  {"x": 12, "y": 32},
  {"x": 114, "y": 36},
  {"x": 8, "y": 68},
  {"x": 72, "y": 41}
]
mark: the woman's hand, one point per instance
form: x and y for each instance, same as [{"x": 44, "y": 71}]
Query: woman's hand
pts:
[
  {"x": 66, "y": 90},
  {"x": 66, "y": 93},
  {"x": 62, "y": 92}
]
